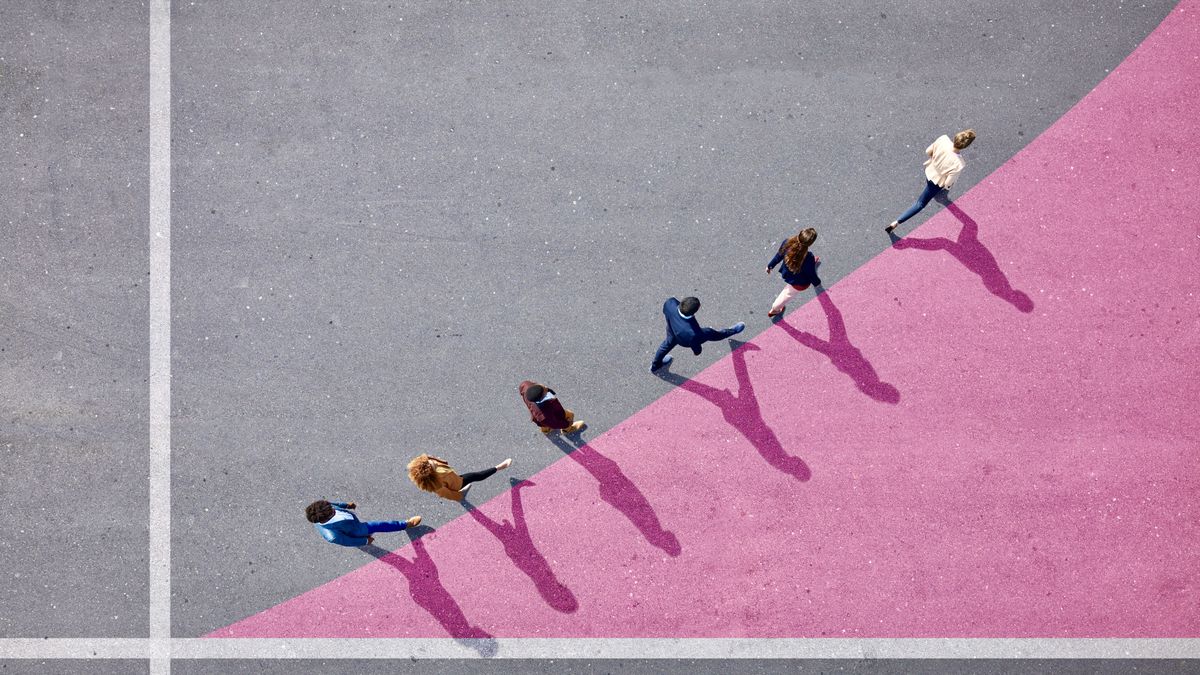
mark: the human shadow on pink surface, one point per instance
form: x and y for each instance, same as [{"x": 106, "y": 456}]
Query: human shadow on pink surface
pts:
[
  {"x": 429, "y": 594},
  {"x": 973, "y": 255},
  {"x": 843, "y": 354},
  {"x": 742, "y": 412},
  {"x": 619, "y": 492},
  {"x": 519, "y": 546}
]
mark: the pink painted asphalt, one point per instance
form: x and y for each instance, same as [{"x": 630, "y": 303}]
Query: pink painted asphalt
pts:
[{"x": 988, "y": 430}]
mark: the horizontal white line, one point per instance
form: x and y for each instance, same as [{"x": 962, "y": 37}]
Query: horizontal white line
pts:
[{"x": 603, "y": 648}]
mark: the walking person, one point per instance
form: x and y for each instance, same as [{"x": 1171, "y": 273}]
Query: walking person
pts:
[
  {"x": 941, "y": 170},
  {"x": 797, "y": 266},
  {"x": 338, "y": 524},
  {"x": 683, "y": 329},
  {"x": 546, "y": 411},
  {"x": 433, "y": 474}
]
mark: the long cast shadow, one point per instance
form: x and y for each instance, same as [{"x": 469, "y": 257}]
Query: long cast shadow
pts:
[
  {"x": 429, "y": 594},
  {"x": 973, "y": 255},
  {"x": 518, "y": 544},
  {"x": 619, "y": 492},
  {"x": 742, "y": 412},
  {"x": 843, "y": 354}
]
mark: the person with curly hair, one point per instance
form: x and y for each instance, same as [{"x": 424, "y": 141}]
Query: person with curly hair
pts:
[
  {"x": 798, "y": 268},
  {"x": 433, "y": 474},
  {"x": 683, "y": 329},
  {"x": 338, "y": 524},
  {"x": 546, "y": 411},
  {"x": 941, "y": 170}
]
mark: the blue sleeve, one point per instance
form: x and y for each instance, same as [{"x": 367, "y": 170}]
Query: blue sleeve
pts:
[
  {"x": 776, "y": 260},
  {"x": 352, "y": 541},
  {"x": 810, "y": 267},
  {"x": 340, "y": 505}
]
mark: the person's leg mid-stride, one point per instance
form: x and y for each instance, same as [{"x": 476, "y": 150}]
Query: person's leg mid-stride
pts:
[{"x": 941, "y": 170}]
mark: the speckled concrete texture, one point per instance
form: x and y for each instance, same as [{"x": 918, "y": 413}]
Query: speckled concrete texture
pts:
[
  {"x": 73, "y": 333},
  {"x": 983, "y": 432},
  {"x": 74, "y": 667},
  {"x": 387, "y": 215},
  {"x": 698, "y": 667}
]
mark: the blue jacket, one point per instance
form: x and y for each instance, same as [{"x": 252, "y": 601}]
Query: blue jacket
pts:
[
  {"x": 686, "y": 332},
  {"x": 344, "y": 528},
  {"x": 805, "y": 276}
]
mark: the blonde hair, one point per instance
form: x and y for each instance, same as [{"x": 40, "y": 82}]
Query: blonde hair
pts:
[
  {"x": 422, "y": 472},
  {"x": 964, "y": 138},
  {"x": 796, "y": 248}
]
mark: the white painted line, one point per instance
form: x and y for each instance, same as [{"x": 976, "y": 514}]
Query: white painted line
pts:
[
  {"x": 160, "y": 334},
  {"x": 159, "y": 650}
]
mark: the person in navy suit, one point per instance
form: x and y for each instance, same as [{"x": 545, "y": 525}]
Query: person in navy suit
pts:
[
  {"x": 338, "y": 524},
  {"x": 683, "y": 329}
]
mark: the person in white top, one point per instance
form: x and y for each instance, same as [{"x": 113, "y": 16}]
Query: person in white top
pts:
[{"x": 941, "y": 170}]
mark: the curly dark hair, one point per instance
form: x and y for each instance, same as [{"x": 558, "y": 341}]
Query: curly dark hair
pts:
[
  {"x": 423, "y": 474},
  {"x": 534, "y": 393},
  {"x": 318, "y": 511}
]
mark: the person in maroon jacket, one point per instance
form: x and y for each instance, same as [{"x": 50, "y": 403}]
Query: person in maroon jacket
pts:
[{"x": 546, "y": 411}]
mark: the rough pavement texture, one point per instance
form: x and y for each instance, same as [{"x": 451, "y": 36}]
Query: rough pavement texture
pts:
[
  {"x": 73, "y": 338},
  {"x": 991, "y": 415},
  {"x": 698, "y": 667},
  {"x": 74, "y": 667},
  {"x": 387, "y": 219},
  {"x": 386, "y": 216}
]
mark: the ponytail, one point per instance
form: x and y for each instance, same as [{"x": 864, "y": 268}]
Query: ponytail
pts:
[{"x": 795, "y": 249}]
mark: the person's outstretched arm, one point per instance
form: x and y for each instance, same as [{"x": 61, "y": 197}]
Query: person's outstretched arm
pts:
[{"x": 775, "y": 260}]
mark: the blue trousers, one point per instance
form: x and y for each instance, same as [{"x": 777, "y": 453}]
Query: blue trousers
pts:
[
  {"x": 706, "y": 335},
  {"x": 931, "y": 190},
  {"x": 374, "y": 526}
]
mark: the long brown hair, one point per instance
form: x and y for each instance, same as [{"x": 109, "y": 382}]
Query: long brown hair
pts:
[
  {"x": 422, "y": 472},
  {"x": 795, "y": 248}
]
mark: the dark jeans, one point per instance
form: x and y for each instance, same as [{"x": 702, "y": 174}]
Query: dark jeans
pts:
[
  {"x": 706, "y": 335},
  {"x": 374, "y": 526},
  {"x": 477, "y": 475},
  {"x": 931, "y": 190}
]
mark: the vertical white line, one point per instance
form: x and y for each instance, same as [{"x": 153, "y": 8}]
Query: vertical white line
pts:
[{"x": 160, "y": 335}]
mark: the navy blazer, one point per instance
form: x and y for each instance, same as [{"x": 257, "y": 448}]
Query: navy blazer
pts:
[
  {"x": 805, "y": 276},
  {"x": 686, "y": 332}
]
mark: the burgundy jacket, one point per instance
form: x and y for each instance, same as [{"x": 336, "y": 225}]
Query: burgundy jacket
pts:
[{"x": 549, "y": 414}]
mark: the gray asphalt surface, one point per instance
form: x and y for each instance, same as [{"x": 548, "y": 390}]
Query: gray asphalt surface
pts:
[
  {"x": 74, "y": 333},
  {"x": 386, "y": 215},
  {"x": 74, "y": 667}
]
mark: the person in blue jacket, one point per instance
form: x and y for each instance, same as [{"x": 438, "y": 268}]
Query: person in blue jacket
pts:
[
  {"x": 797, "y": 266},
  {"x": 683, "y": 329},
  {"x": 338, "y": 524}
]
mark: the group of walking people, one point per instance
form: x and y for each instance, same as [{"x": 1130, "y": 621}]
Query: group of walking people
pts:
[{"x": 337, "y": 522}]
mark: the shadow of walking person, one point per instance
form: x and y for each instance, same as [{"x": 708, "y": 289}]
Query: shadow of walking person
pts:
[
  {"x": 619, "y": 492},
  {"x": 429, "y": 594},
  {"x": 518, "y": 544},
  {"x": 973, "y": 255},
  {"x": 742, "y": 412},
  {"x": 844, "y": 355}
]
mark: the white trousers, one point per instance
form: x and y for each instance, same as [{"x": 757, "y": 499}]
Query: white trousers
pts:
[{"x": 789, "y": 291}]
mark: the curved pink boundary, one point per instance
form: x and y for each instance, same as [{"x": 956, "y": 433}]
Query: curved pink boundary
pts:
[{"x": 988, "y": 431}]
